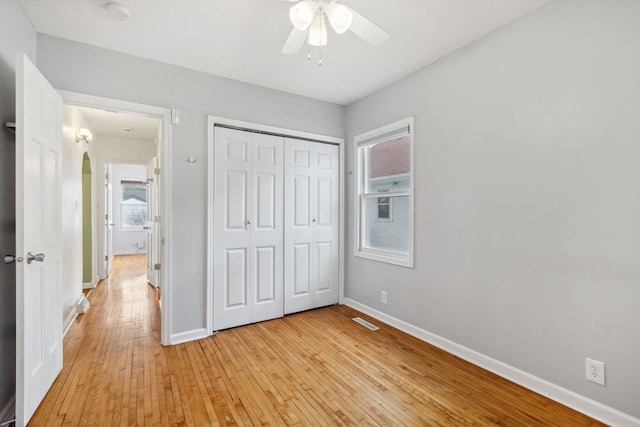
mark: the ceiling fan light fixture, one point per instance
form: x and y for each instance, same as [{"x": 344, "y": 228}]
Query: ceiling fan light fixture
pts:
[
  {"x": 318, "y": 31},
  {"x": 302, "y": 14},
  {"x": 340, "y": 17}
]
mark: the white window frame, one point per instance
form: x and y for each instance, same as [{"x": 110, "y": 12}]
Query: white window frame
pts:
[{"x": 361, "y": 197}]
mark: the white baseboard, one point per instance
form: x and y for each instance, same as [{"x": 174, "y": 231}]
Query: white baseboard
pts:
[
  {"x": 196, "y": 334},
  {"x": 68, "y": 322},
  {"x": 89, "y": 285},
  {"x": 9, "y": 410},
  {"x": 555, "y": 392}
]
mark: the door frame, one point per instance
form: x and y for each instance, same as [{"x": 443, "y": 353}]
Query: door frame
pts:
[
  {"x": 251, "y": 126},
  {"x": 164, "y": 114},
  {"x": 105, "y": 204}
]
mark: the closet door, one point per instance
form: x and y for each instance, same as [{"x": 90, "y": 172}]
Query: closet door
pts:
[
  {"x": 311, "y": 251},
  {"x": 248, "y": 228}
]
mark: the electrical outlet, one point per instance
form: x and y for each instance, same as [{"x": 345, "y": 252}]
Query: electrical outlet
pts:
[
  {"x": 383, "y": 297},
  {"x": 595, "y": 371}
]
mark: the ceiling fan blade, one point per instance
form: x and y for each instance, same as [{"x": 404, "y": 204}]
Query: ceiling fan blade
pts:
[
  {"x": 294, "y": 42},
  {"x": 367, "y": 30}
]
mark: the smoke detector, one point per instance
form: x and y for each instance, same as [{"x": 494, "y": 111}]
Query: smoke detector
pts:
[{"x": 118, "y": 11}]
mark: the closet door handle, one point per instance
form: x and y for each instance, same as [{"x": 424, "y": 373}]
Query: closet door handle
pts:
[
  {"x": 313, "y": 220},
  {"x": 248, "y": 222}
]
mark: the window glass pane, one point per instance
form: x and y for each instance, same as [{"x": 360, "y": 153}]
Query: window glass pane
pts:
[
  {"x": 134, "y": 204},
  {"x": 134, "y": 215},
  {"x": 389, "y": 165},
  {"x": 391, "y": 234},
  {"x": 133, "y": 191}
]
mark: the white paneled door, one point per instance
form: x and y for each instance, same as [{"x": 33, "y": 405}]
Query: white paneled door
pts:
[
  {"x": 248, "y": 228},
  {"x": 38, "y": 237},
  {"x": 311, "y": 251}
]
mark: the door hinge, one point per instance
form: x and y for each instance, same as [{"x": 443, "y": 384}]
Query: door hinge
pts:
[
  {"x": 106, "y": 216},
  {"x": 156, "y": 219},
  {"x": 106, "y": 257},
  {"x": 156, "y": 266},
  {"x": 156, "y": 171}
]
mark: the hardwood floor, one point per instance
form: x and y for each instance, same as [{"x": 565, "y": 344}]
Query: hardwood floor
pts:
[{"x": 313, "y": 368}]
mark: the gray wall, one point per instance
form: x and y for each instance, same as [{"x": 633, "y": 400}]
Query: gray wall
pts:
[
  {"x": 527, "y": 201},
  {"x": 16, "y": 34},
  {"x": 106, "y": 73}
]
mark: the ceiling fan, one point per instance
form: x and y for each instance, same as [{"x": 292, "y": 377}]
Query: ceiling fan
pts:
[{"x": 309, "y": 23}]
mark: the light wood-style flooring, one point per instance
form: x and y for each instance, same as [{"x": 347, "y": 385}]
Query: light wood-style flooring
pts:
[{"x": 315, "y": 368}]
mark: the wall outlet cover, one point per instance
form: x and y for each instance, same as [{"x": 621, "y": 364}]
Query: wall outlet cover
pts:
[{"x": 595, "y": 371}]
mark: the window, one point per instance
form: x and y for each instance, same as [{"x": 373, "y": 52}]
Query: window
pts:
[
  {"x": 134, "y": 204},
  {"x": 384, "y": 209},
  {"x": 385, "y": 222},
  {"x": 384, "y": 204}
]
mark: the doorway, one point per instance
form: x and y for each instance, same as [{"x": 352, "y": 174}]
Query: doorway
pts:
[{"x": 106, "y": 117}]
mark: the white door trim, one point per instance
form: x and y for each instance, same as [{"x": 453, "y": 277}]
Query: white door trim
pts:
[
  {"x": 211, "y": 122},
  {"x": 91, "y": 101}
]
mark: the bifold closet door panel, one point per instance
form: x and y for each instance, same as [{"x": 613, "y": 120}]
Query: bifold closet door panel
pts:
[
  {"x": 311, "y": 216},
  {"x": 267, "y": 228},
  {"x": 248, "y": 228}
]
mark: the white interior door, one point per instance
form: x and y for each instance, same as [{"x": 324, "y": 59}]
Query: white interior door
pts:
[
  {"x": 108, "y": 220},
  {"x": 248, "y": 228},
  {"x": 38, "y": 237},
  {"x": 311, "y": 230},
  {"x": 153, "y": 219}
]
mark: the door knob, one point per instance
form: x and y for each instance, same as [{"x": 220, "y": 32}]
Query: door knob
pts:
[
  {"x": 37, "y": 257},
  {"x": 10, "y": 259},
  {"x": 249, "y": 221}
]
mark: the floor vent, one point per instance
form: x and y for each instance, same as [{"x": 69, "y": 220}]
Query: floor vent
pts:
[{"x": 365, "y": 323}]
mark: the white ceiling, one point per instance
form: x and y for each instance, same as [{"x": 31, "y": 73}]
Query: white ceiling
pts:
[
  {"x": 242, "y": 39},
  {"x": 120, "y": 125}
]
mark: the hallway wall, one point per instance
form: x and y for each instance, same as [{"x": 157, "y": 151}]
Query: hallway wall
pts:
[{"x": 72, "y": 200}]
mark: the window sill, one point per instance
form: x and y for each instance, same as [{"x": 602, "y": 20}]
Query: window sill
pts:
[
  {"x": 132, "y": 229},
  {"x": 387, "y": 257}
]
